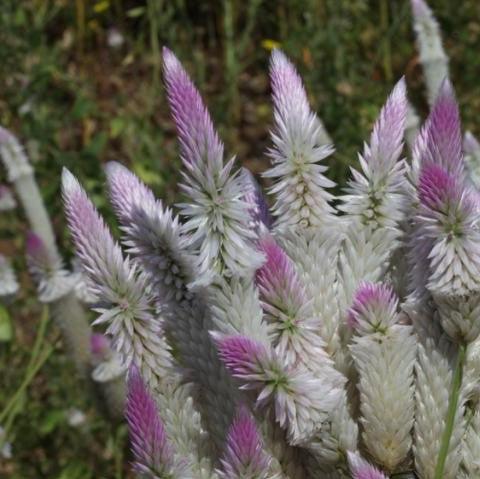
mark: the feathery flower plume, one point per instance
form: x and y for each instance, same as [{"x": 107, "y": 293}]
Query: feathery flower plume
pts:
[
  {"x": 440, "y": 139},
  {"x": 438, "y": 146},
  {"x": 244, "y": 455},
  {"x": 300, "y": 401},
  {"x": 154, "y": 455},
  {"x": 8, "y": 281},
  {"x": 374, "y": 309},
  {"x": 53, "y": 281},
  {"x": 122, "y": 291},
  {"x": 429, "y": 44},
  {"x": 449, "y": 213},
  {"x": 384, "y": 356},
  {"x": 7, "y": 201},
  {"x": 151, "y": 234},
  {"x": 289, "y": 313},
  {"x": 236, "y": 310},
  {"x": 300, "y": 184},
  {"x": 376, "y": 196},
  {"x": 217, "y": 215},
  {"x": 361, "y": 469}
]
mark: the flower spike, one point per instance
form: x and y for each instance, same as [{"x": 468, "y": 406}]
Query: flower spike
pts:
[
  {"x": 154, "y": 455},
  {"x": 449, "y": 215},
  {"x": 244, "y": 454},
  {"x": 361, "y": 469},
  {"x": 376, "y": 196},
  {"x": 218, "y": 218},
  {"x": 122, "y": 291},
  {"x": 440, "y": 140},
  {"x": 374, "y": 309},
  {"x": 299, "y": 144},
  {"x": 299, "y": 400},
  {"x": 151, "y": 234}
]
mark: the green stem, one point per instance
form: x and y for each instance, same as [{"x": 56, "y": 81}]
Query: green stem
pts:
[
  {"x": 387, "y": 53},
  {"x": 39, "y": 339},
  {"x": 154, "y": 8},
  {"x": 27, "y": 380},
  {"x": 451, "y": 412},
  {"x": 33, "y": 357},
  {"x": 231, "y": 67}
]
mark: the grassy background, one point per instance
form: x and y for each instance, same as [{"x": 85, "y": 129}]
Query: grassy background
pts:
[{"x": 80, "y": 84}]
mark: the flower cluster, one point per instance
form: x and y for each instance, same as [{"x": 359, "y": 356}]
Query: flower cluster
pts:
[{"x": 330, "y": 337}]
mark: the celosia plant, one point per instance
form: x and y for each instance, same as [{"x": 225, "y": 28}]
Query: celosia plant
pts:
[
  {"x": 58, "y": 288},
  {"x": 325, "y": 337}
]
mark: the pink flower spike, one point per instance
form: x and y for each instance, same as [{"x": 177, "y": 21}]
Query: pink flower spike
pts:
[
  {"x": 127, "y": 192},
  {"x": 244, "y": 454},
  {"x": 361, "y": 469},
  {"x": 241, "y": 355},
  {"x": 374, "y": 308},
  {"x": 440, "y": 141},
  {"x": 149, "y": 442},
  {"x": 387, "y": 137},
  {"x": 287, "y": 86},
  {"x": 437, "y": 188},
  {"x": 199, "y": 141},
  {"x": 277, "y": 278}
]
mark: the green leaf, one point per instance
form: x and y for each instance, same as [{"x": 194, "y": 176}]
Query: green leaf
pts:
[
  {"x": 83, "y": 107},
  {"x": 148, "y": 176},
  {"x": 117, "y": 126},
  {"x": 136, "y": 12},
  {"x": 6, "y": 327},
  {"x": 97, "y": 144},
  {"x": 51, "y": 421},
  {"x": 75, "y": 470}
]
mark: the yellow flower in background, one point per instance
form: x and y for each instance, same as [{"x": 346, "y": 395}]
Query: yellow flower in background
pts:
[
  {"x": 270, "y": 44},
  {"x": 101, "y": 6}
]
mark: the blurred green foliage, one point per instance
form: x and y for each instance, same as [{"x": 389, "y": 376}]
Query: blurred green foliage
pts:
[{"x": 80, "y": 84}]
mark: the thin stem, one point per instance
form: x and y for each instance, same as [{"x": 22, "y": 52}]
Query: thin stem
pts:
[
  {"x": 387, "y": 54},
  {"x": 231, "y": 67},
  {"x": 27, "y": 380},
  {"x": 451, "y": 412},
  {"x": 34, "y": 356},
  {"x": 40, "y": 337},
  {"x": 154, "y": 8},
  {"x": 14, "y": 406}
]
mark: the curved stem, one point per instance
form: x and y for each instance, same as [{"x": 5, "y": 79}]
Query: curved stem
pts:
[
  {"x": 451, "y": 412},
  {"x": 31, "y": 364}
]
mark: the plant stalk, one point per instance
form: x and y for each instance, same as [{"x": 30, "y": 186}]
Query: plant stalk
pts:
[{"x": 451, "y": 412}]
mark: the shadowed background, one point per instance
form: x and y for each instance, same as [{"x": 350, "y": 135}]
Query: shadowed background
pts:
[{"x": 81, "y": 84}]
